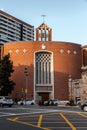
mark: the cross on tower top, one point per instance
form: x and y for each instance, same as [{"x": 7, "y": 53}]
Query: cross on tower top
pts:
[{"x": 43, "y": 17}]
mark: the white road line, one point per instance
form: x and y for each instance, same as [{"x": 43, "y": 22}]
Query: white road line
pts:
[
  {"x": 37, "y": 111},
  {"x": 6, "y": 114}
]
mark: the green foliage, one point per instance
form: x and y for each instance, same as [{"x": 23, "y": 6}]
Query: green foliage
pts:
[{"x": 6, "y": 69}]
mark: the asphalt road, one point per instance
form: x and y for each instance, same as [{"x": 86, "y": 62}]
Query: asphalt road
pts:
[{"x": 42, "y": 118}]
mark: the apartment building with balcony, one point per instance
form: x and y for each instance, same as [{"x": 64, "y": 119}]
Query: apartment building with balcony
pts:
[{"x": 14, "y": 29}]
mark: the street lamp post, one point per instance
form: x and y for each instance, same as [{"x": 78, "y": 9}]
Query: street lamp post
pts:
[
  {"x": 26, "y": 83},
  {"x": 71, "y": 91},
  {"x": 1, "y": 87}
]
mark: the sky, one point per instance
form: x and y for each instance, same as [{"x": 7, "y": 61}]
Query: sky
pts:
[{"x": 67, "y": 18}]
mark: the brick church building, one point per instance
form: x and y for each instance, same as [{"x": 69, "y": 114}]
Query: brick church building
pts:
[{"x": 42, "y": 67}]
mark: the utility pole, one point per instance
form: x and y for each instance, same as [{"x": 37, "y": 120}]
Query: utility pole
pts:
[
  {"x": 71, "y": 90},
  {"x": 26, "y": 83}
]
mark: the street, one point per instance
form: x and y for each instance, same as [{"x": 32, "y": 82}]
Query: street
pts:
[{"x": 42, "y": 118}]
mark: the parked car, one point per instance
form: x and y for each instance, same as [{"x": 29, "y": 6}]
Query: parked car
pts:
[
  {"x": 26, "y": 102},
  {"x": 78, "y": 101},
  {"x": 53, "y": 102},
  {"x": 6, "y": 101},
  {"x": 84, "y": 106}
]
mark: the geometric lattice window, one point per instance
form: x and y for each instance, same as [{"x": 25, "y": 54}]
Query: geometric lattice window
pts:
[{"x": 43, "y": 68}]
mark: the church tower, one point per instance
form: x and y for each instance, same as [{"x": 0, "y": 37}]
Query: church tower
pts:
[{"x": 43, "y": 33}]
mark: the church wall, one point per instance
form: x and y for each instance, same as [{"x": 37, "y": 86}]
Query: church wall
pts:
[{"x": 66, "y": 59}]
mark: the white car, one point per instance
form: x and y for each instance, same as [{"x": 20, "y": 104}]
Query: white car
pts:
[
  {"x": 6, "y": 101},
  {"x": 84, "y": 106},
  {"x": 26, "y": 102}
]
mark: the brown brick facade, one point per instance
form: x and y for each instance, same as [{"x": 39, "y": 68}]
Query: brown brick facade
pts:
[{"x": 66, "y": 61}]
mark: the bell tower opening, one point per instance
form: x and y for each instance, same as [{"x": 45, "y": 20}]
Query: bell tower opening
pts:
[{"x": 43, "y": 33}]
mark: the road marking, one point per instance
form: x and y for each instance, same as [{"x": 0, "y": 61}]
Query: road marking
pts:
[
  {"x": 67, "y": 121},
  {"x": 82, "y": 114},
  {"x": 6, "y": 114},
  {"x": 26, "y": 123},
  {"x": 13, "y": 119},
  {"x": 39, "y": 121}
]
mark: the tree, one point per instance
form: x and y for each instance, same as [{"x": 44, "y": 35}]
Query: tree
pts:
[{"x": 6, "y": 69}]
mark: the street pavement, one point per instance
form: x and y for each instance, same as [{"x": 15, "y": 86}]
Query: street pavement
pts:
[{"x": 43, "y": 118}]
